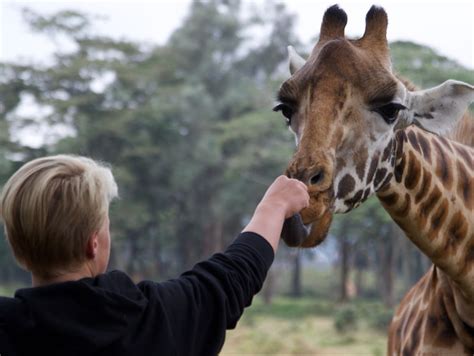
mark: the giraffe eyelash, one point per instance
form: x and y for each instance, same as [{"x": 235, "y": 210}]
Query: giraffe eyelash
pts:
[
  {"x": 389, "y": 112},
  {"x": 286, "y": 110}
]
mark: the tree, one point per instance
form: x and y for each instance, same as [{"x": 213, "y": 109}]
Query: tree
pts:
[
  {"x": 163, "y": 116},
  {"x": 424, "y": 66},
  {"x": 190, "y": 134}
]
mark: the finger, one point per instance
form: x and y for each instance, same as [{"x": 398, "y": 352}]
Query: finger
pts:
[
  {"x": 299, "y": 183},
  {"x": 303, "y": 200},
  {"x": 303, "y": 188},
  {"x": 307, "y": 199},
  {"x": 303, "y": 185}
]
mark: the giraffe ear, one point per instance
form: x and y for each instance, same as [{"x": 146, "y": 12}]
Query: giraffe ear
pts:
[
  {"x": 439, "y": 109},
  {"x": 295, "y": 60}
]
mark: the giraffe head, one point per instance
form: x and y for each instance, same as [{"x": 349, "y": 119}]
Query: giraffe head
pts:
[{"x": 345, "y": 106}]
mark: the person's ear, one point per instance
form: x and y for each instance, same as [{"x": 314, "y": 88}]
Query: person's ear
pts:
[{"x": 92, "y": 246}]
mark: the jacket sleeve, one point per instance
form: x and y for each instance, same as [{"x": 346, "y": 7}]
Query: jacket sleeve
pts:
[{"x": 210, "y": 298}]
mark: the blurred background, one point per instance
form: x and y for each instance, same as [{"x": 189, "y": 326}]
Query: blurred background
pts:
[{"x": 177, "y": 97}]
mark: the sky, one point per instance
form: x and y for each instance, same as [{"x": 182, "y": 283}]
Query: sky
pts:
[{"x": 447, "y": 26}]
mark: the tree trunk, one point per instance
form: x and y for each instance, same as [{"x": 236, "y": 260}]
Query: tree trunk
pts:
[
  {"x": 156, "y": 250},
  {"x": 406, "y": 263},
  {"x": 185, "y": 248},
  {"x": 268, "y": 287},
  {"x": 359, "y": 281},
  {"x": 388, "y": 264},
  {"x": 296, "y": 275},
  {"x": 344, "y": 281},
  {"x": 134, "y": 264},
  {"x": 212, "y": 241}
]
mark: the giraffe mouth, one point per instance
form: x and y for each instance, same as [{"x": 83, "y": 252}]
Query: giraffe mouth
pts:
[{"x": 296, "y": 233}]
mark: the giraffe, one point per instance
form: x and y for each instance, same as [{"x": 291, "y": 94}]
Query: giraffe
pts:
[{"x": 361, "y": 130}]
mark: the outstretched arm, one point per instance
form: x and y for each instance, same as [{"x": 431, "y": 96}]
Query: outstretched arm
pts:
[{"x": 198, "y": 307}]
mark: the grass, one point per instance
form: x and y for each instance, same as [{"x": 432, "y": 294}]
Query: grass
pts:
[
  {"x": 300, "y": 327},
  {"x": 303, "y": 326}
]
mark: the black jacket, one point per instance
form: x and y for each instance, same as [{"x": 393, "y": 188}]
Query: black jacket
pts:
[{"x": 110, "y": 315}]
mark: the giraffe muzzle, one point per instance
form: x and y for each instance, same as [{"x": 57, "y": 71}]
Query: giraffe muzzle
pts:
[
  {"x": 297, "y": 234},
  {"x": 309, "y": 227},
  {"x": 294, "y": 231}
]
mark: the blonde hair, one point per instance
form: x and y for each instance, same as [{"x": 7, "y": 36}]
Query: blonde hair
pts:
[{"x": 51, "y": 206}]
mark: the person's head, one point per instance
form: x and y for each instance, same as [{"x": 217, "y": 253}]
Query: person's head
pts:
[{"x": 55, "y": 211}]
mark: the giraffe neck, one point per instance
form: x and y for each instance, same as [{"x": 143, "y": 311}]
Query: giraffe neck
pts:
[{"x": 431, "y": 197}]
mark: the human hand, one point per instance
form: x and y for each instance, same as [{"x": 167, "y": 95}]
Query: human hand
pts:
[{"x": 289, "y": 194}]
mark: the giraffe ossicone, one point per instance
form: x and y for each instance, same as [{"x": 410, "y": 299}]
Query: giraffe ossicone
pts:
[{"x": 362, "y": 130}]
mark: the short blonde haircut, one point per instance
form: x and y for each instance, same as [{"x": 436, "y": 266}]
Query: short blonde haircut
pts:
[{"x": 51, "y": 206}]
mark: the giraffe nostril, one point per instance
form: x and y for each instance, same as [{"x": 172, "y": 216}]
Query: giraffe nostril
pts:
[{"x": 318, "y": 177}]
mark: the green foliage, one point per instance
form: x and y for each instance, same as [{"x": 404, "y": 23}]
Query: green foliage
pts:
[
  {"x": 188, "y": 129},
  {"x": 289, "y": 308},
  {"x": 380, "y": 319},
  {"x": 372, "y": 314},
  {"x": 345, "y": 319},
  {"x": 424, "y": 66},
  {"x": 187, "y": 126},
  {"x": 70, "y": 22}
]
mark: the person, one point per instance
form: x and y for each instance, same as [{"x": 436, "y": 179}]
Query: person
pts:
[{"x": 55, "y": 212}]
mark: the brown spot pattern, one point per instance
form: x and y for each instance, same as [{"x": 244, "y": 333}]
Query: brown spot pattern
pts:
[
  {"x": 398, "y": 171},
  {"x": 431, "y": 324},
  {"x": 340, "y": 163},
  {"x": 438, "y": 218},
  {"x": 445, "y": 333},
  {"x": 387, "y": 151},
  {"x": 379, "y": 176},
  {"x": 425, "y": 186},
  {"x": 360, "y": 162},
  {"x": 355, "y": 199},
  {"x": 384, "y": 188},
  {"x": 468, "y": 159},
  {"x": 425, "y": 147},
  {"x": 427, "y": 206},
  {"x": 389, "y": 199},
  {"x": 387, "y": 179},
  {"x": 442, "y": 166},
  {"x": 400, "y": 139},
  {"x": 413, "y": 171},
  {"x": 414, "y": 141},
  {"x": 404, "y": 209},
  {"x": 468, "y": 258},
  {"x": 445, "y": 143},
  {"x": 465, "y": 186},
  {"x": 456, "y": 232},
  {"x": 373, "y": 166},
  {"x": 366, "y": 194},
  {"x": 345, "y": 186}
]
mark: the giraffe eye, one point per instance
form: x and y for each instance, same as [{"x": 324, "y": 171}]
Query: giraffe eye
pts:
[
  {"x": 286, "y": 110},
  {"x": 389, "y": 112}
]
